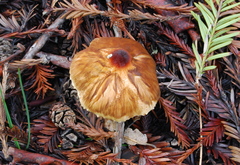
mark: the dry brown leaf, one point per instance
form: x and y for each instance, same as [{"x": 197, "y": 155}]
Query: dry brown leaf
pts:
[{"x": 133, "y": 137}]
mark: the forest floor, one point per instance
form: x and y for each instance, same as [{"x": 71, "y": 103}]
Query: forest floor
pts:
[{"x": 195, "y": 45}]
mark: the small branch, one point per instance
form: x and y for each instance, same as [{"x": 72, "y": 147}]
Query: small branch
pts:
[
  {"x": 61, "y": 61},
  {"x": 32, "y": 31},
  {"x": 25, "y": 156},
  {"x": 42, "y": 40}
]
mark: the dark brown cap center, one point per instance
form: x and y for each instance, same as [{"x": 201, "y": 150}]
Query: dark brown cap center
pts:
[{"x": 119, "y": 58}]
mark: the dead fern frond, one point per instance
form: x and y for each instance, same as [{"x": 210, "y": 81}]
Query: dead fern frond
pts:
[
  {"x": 26, "y": 15},
  {"x": 234, "y": 49},
  {"x": 232, "y": 130},
  {"x": 47, "y": 133},
  {"x": 83, "y": 153},
  {"x": 15, "y": 24},
  {"x": 23, "y": 64},
  {"x": 218, "y": 106},
  {"x": 78, "y": 9},
  {"x": 178, "y": 86},
  {"x": 9, "y": 24},
  {"x": 138, "y": 15},
  {"x": 40, "y": 75},
  {"x": 181, "y": 9},
  {"x": 92, "y": 153},
  {"x": 233, "y": 70},
  {"x": 226, "y": 110},
  {"x": 176, "y": 40},
  {"x": 176, "y": 123},
  {"x": 221, "y": 150},
  {"x": 96, "y": 134},
  {"x": 235, "y": 153},
  {"x": 213, "y": 83},
  {"x": 212, "y": 132},
  {"x": 17, "y": 134},
  {"x": 164, "y": 155},
  {"x": 188, "y": 153}
]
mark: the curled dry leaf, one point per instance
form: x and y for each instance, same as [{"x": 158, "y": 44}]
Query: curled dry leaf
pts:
[{"x": 133, "y": 137}]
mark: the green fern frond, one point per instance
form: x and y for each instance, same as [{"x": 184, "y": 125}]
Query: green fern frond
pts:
[{"x": 214, "y": 29}]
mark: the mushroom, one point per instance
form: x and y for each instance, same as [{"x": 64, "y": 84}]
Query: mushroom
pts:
[{"x": 115, "y": 78}]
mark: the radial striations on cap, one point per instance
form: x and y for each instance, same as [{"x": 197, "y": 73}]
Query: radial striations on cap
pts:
[{"x": 115, "y": 78}]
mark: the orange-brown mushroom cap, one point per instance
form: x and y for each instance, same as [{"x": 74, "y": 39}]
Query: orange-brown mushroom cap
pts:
[{"x": 115, "y": 78}]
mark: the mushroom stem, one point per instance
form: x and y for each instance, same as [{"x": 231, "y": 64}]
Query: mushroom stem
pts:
[{"x": 118, "y": 138}]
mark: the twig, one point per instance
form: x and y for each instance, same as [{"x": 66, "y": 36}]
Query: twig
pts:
[
  {"x": 25, "y": 156},
  {"x": 32, "y": 31},
  {"x": 61, "y": 61},
  {"x": 42, "y": 40}
]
